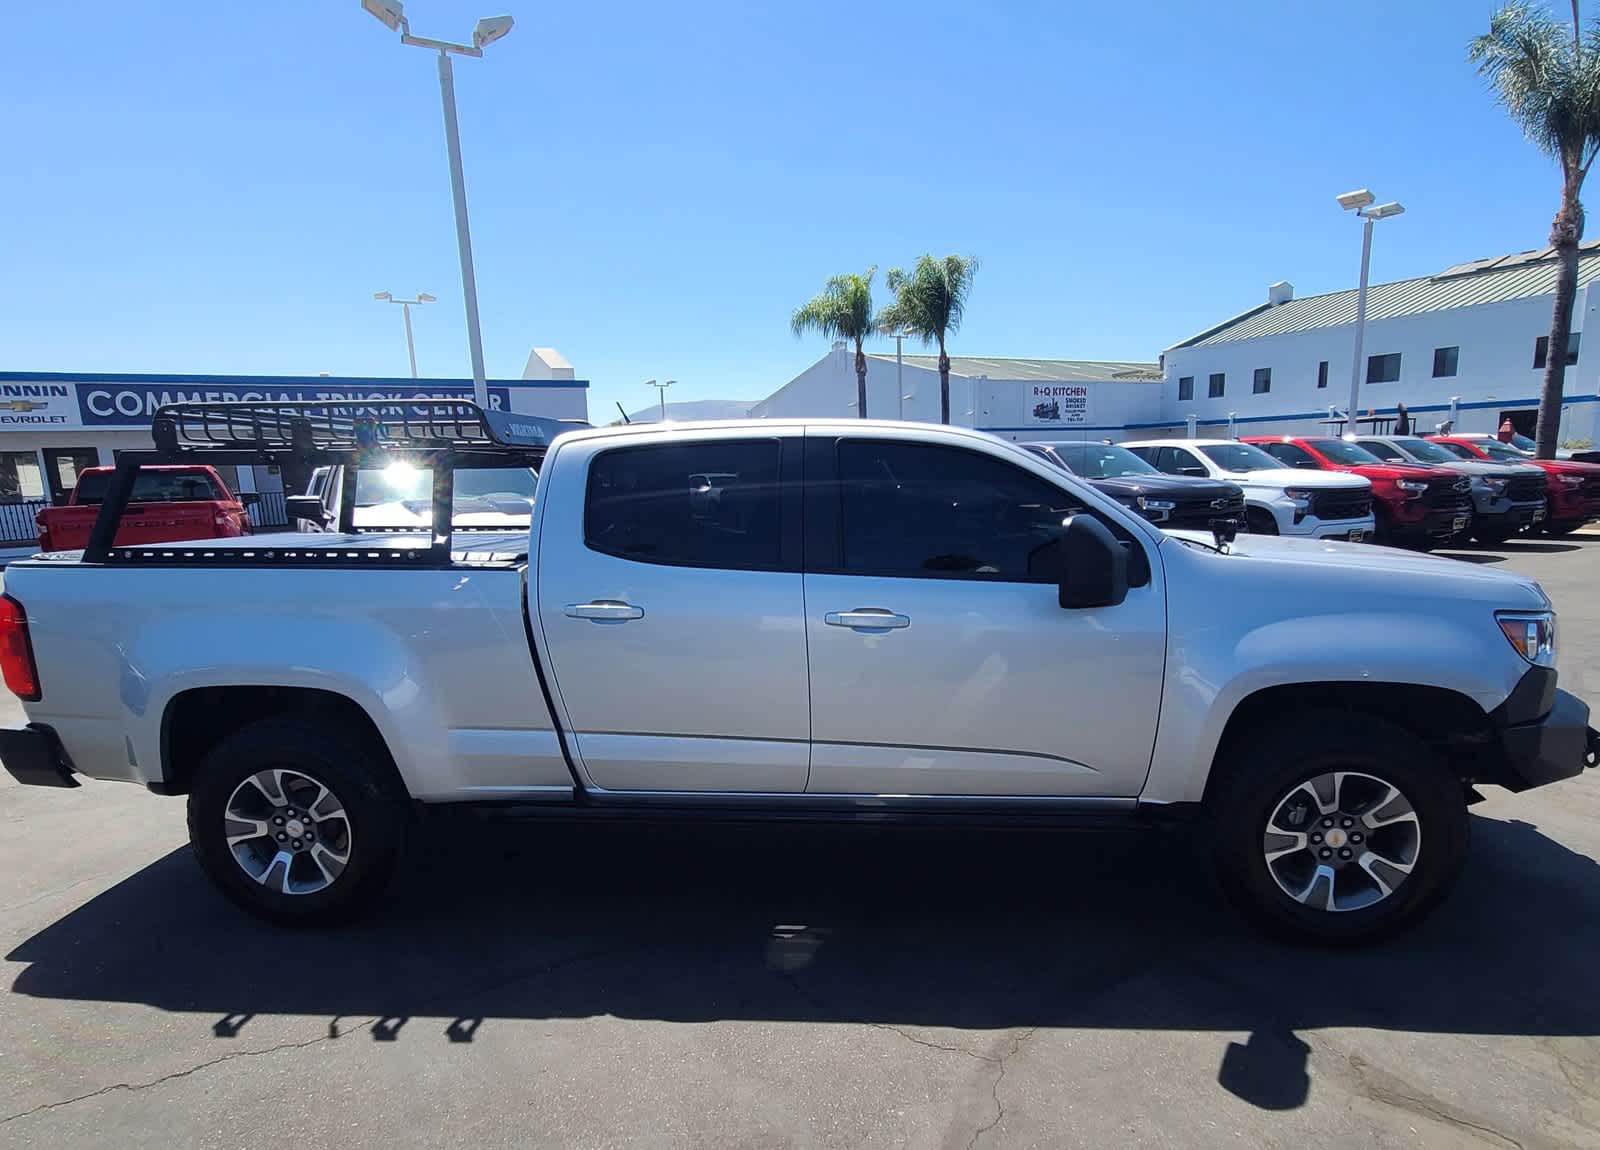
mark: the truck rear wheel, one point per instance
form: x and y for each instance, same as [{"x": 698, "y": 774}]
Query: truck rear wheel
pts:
[
  {"x": 1337, "y": 828},
  {"x": 296, "y": 820}
]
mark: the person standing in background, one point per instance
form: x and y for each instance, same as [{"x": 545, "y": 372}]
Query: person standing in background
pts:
[
  {"x": 1507, "y": 432},
  {"x": 1402, "y": 420}
]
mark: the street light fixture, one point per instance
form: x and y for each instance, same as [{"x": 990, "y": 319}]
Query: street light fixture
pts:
[
  {"x": 1360, "y": 202},
  {"x": 405, "y": 310},
  {"x": 391, "y": 13},
  {"x": 661, "y": 390},
  {"x": 900, "y": 336}
]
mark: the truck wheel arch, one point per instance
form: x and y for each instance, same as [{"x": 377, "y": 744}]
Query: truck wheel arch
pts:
[
  {"x": 1447, "y": 720},
  {"x": 195, "y": 720}
]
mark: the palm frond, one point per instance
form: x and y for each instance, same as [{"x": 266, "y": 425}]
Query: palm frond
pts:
[
  {"x": 931, "y": 298},
  {"x": 842, "y": 310},
  {"x": 1547, "y": 80}
]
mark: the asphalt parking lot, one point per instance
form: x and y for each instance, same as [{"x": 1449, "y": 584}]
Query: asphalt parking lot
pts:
[{"x": 609, "y": 986}]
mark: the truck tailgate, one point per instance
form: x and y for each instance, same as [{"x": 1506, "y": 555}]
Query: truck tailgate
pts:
[{"x": 67, "y": 528}]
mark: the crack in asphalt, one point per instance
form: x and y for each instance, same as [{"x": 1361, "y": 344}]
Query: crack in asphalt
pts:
[
  {"x": 994, "y": 1088},
  {"x": 333, "y": 1035},
  {"x": 909, "y": 1037},
  {"x": 134, "y": 1087},
  {"x": 1385, "y": 1092}
]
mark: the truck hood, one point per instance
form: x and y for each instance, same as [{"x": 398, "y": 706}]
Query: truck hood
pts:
[
  {"x": 1281, "y": 477},
  {"x": 1181, "y": 486},
  {"x": 1480, "y": 468},
  {"x": 1364, "y": 560}
]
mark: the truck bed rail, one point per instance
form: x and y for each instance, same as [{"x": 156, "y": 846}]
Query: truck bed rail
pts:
[{"x": 440, "y": 435}]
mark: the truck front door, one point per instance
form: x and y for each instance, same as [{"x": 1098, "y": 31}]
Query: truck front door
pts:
[
  {"x": 941, "y": 660},
  {"x": 669, "y": 593}
]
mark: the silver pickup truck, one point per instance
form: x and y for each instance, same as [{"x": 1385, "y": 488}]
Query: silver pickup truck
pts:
[{"x": 838, "y": 620}]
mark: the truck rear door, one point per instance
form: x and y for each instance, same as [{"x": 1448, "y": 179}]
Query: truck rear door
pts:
[{"x": 669, "y": 596}]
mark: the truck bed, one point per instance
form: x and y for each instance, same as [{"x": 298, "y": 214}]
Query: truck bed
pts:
[{"x": 470, "y": 548}]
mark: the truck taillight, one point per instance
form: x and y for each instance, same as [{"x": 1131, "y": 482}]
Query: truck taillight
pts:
[
  {"x": 16, "y": 651},
  {"x": 44, "y": 531}
]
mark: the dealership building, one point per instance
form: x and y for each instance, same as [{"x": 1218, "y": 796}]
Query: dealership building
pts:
[
  {"x": 1021, "y": 399},
  {"x": 54, "y": 424},
  {"x": 1466, "y": 345}
]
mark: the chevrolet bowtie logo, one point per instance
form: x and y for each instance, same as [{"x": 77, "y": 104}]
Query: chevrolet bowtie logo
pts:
[{"x": 22, "y": 405}]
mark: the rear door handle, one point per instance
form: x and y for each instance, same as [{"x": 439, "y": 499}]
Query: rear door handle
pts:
[
  {"x": 867, "y": 618},
  {"x": 604, "y": 611}
]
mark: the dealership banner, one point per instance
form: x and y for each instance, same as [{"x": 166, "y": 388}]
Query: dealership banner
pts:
[
  {"x": 1056, "y": 404},
  {"x": 134, "y": 404}
]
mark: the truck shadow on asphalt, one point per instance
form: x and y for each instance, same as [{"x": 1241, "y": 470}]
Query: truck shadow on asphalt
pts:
[{"x": 891, "y": 927}]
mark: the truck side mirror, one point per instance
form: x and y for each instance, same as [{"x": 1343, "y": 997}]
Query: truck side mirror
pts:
[
  {"x": 1094, "y": 566},
  {"x": 307, "y": 507},
  {"x": 1194, "y": 470}
]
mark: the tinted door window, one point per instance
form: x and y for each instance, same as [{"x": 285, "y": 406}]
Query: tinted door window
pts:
[
  {"x": 1292, "y": 455},
  {"x": 911, "y": 509},
  {"x": 1382, "y": 450},
  {"x": 699, "y": 505},
  {"x": 1173, "y": 460}
]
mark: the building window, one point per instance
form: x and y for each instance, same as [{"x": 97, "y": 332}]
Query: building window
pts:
[
  {"x": 1322, "y": 374},
  {"x": 20, "y": 477},
  {"x": 1541, "y": 349},
  {"x": 1383, "y": 368},
  {"x": 1185, "y": 387},
  {"x": 1444, "y": 361},
  {"x": 1216, "y": 384},
  {"x": 1262, "y": 383}
]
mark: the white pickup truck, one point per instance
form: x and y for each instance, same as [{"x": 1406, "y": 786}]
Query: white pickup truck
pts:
[{"x": 838, "y": 620}]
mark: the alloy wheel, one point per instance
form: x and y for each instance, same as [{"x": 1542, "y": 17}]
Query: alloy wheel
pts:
[
  {"x": 288, "y": 831},
  {"x": 1342, "y": 841}
]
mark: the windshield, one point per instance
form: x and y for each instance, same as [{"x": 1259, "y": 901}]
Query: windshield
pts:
[
  {"x": 1343, "y": 453},
  {"x": 1101, "y": 460},
  {"x": 1494, "y": 449},
  {"x": 1425, "y": 452},
  {"x": 1241, "y": 457},
  {"x": 152, "y": 487},
  {"x": 403, "y": 483}
]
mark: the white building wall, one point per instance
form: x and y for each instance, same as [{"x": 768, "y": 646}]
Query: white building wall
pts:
[
  {"x": 1495, "y": 371},
  {"x": 1003, "y": 406}
]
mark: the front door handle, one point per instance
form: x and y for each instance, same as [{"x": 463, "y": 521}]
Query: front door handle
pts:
[
  {"x": 604, "y": 611},
  {"x": 867, "y": 619}
]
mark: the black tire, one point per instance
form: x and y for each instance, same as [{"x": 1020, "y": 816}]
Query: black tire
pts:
[
  {"x": 376, "y": 815},
  {"x": 1563, "y": 528},
  {"x": 1260, "y": 522},
  {"x": 1267, "y": 767},
  {"x": 1492, "y": 536}
]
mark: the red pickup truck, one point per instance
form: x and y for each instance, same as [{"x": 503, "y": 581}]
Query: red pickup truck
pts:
[
  {"x": 1574, "y": 487},
  {"x": 1415, "y": 505},
  {"x": 170, "y": 502}
]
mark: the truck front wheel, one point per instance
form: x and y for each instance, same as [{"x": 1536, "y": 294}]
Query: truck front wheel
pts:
[
  {"x": 296, "y": 820},
  {"x": 1337, "y": 827}
]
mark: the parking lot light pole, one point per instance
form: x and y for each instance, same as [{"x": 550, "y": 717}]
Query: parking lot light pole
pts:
[
  {"x": 391, "y": 13},
  {"x": 405, "y": 310},
  {"x": 661, "y": 392},
  {"x": 1360, "y": 202}
]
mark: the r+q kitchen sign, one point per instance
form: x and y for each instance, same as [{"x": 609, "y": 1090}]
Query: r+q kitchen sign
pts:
[{"x": 1056, "y": 404}]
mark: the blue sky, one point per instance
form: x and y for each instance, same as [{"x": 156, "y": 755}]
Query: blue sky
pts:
[{"x": 220, "y": 187}]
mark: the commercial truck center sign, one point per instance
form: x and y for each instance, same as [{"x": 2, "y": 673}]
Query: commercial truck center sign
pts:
[
  {"x": 134, "y": 404},
  {"x": 1057, "y": 404}
]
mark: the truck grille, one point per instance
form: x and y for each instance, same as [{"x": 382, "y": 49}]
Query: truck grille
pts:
[
  {"x": 1525, "y": 488},
  {"x": 1199, "y": 512},
  {"x": 1449, "y": 495},
  {"x": 1347, "y": 504}
]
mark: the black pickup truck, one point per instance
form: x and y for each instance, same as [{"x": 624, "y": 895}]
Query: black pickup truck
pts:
[{"x": 1180, "y": 501}]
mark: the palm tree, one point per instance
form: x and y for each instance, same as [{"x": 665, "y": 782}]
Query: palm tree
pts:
[
  {"x": 928, "y": 303},
  {"x": 842, "y": 311},
  {"x": 1549, "y": 83}
]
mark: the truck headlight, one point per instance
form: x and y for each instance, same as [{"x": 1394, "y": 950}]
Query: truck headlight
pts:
[
  {"x": 1412, "y": 487},
  {"x": 1301, "y": 498},
  {"x": 1532, "y": 633},
  {"x": 1571, "y": 480},
  {"x": 1155, "y": 509}
]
